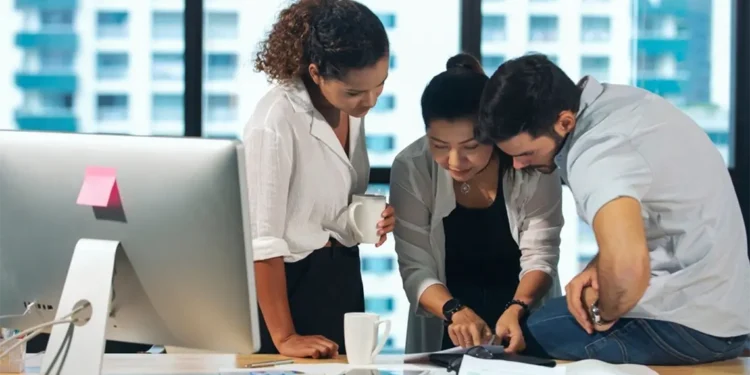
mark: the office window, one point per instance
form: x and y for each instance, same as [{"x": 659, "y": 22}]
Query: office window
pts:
[
  {"x": 111, "y": 65},
  {"x": 595, "y": 29},
  {"x": 493, "y": 28},
  {"x": 379, "y": 305},
  {"x": 490, "y": 63},
  {"x": 386, "y": 103},
  {"x": 167, "y": 25},
  {"x": 380, "y": 143},
  {"x": 221, "y": 66},
  {"x": 55, "y": 102},
  {"x": 388, "y": 20},
  {"x": 224, "y": 25},
  {"x": 167, "y": 107},
  {"x": 72, "y": 65},
  {"x": 112, "y": 107},
  {"x": 221, "y": 108},
  {"x": 56, "y": 20},
  {"x": 595, "y": 66},
  {"x": 378, "y": 265},
  {"x": 167, "y": 66},
  {"x": 543, "y": 29},
  {"x": 112, "y": 24},
  {"x": 51, "y": 60}
]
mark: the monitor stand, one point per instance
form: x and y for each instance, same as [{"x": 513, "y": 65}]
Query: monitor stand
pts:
[{"x": 77, "y": 349}]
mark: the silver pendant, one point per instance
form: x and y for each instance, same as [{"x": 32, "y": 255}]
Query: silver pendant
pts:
[{"x": 465, "y": 188}]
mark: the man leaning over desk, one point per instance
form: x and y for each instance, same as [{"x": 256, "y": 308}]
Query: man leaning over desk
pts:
[{"x": 671, "y": 282}]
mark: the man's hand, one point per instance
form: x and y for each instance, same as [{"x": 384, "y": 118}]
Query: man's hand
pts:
[
  {"x": 508, "y": 326},
  {"x": 588, "y": 297},
  {"x": 468, "y": 329},
  {"x": 574, "y": 296},
  {"x": 307, "y": 346}
]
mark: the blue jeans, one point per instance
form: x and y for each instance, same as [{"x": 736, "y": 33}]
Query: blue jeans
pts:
[{"x": 552, "y": 332}]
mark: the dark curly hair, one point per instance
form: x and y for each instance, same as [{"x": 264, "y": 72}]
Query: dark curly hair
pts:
[{"x": 335, "y": 35}]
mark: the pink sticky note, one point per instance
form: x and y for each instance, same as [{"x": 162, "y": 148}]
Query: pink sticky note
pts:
[{"x": 99, "y": 188}]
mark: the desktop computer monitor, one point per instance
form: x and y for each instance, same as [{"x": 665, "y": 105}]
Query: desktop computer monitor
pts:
[{"x": 148, "y": 232}]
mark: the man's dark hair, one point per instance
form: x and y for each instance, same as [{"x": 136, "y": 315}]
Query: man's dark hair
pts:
[
  {"x": 335, "y": 35},
  {"x": 526, "y": 94}
]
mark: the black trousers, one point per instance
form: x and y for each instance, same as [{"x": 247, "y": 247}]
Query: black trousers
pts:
[{"x": 321, "y": 288}]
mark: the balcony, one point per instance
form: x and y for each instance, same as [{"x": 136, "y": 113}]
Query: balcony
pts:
[
  {"x": 47, "y": 4},
  {"x": 663, "y": 87},
  {"x": 61, "y": 82},
  {"x": 656, "y": 47},
  {"x": 47, "y": 40},
  {"x": 60, "y": 121}
]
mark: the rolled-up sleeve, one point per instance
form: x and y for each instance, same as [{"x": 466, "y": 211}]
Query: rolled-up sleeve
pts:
[
  {"x": 539, "y": 239},
  {"x": 268, "y": 160},
  {"x": 417, "y": 265}
]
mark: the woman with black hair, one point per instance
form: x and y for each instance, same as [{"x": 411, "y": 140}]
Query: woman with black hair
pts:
[
  {"x": 477, "y": 241},
  {"x": 305, "y": 156}
]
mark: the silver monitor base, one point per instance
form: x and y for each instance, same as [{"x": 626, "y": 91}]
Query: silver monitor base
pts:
[{"x": 78, "y": 348}]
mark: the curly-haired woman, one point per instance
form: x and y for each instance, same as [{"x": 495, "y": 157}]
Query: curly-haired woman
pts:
[{"x": 305, "y": 156}]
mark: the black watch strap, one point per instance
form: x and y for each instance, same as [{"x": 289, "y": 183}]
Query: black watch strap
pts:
[
  {"x": 451, "y": 307},
  {"x": 519, "y": 303}
]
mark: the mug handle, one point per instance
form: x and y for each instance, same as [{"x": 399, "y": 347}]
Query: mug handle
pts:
[
  {"x": 383, "y": 337},
  {"x": 353, "y": 222}
]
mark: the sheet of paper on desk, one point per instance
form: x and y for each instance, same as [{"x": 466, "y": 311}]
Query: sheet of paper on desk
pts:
[
  {"x": 594, "y": 367},
  {"x": 306, "y": 369},
  {"x": 476, "y": 366}
]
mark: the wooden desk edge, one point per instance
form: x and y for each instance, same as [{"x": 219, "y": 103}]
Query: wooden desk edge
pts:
[{"x": 739, "y": 366}]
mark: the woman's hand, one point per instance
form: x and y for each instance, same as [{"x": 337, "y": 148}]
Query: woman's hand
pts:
[
  {"x": 386, "y": 224},
  {"x": 307, "y": 346},
  {"x": 468, "y": 329},
  {"x": 509, "y": 327}
]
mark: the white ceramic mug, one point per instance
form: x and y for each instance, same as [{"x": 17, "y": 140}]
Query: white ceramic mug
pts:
[
  {"x": 365, "y": 212},
  {"x": 361, "y": 337}
]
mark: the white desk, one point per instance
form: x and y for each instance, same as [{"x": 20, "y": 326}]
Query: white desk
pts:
[{"x": 143, "y": 364}]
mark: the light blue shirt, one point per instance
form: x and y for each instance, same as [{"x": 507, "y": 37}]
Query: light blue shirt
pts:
[{"x": 629, "y": 142}]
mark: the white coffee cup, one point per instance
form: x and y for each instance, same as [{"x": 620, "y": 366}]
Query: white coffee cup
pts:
[
  {"x": 361, "y": 337},
  {"x": 365, "y": 212}
]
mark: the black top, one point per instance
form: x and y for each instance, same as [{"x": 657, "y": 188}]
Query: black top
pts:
[{"x": 482, "y": 260}]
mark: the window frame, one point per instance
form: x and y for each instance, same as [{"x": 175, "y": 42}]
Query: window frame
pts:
[{"x": 471, "y": 38}]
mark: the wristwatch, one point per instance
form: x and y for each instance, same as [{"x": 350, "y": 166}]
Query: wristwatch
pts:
[
  {"x": 595, "y": 314},
  {"x": 451, "y": 307}
]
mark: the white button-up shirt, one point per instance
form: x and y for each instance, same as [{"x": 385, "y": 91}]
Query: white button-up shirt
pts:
[
  {"x": 422, "y": 194},
  {"x": 299, "y": 177}
]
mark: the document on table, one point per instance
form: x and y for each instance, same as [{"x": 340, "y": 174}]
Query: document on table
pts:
[
  {"x": 595, "y": 367},
  {"x": 475, "y": 366}
]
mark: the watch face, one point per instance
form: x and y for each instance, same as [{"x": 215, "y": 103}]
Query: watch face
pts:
[{"x": 451, "y": 306}]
